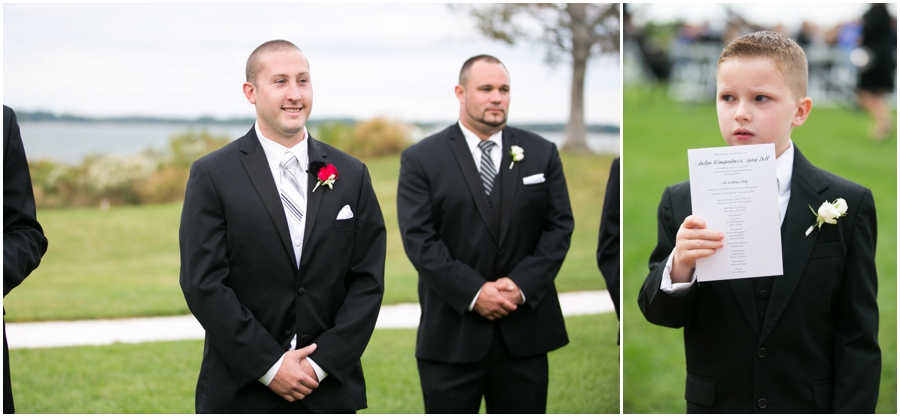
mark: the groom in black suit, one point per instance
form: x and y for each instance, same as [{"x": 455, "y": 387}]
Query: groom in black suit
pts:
[
  {"x": 802, "y": 342},
  {"x": 484, "y": 214},
  {"x": 281, "y": 261}
]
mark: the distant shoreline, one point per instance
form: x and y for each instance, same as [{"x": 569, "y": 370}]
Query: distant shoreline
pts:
[{"x": 41, "y": 117}]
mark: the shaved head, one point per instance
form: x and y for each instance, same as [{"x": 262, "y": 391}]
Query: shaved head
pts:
[
  {"x": 467, "y": 66},
  {"x": 253, "y": 62}
]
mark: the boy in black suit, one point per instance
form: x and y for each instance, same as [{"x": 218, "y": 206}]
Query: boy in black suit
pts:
[{"x": 803, "y": 342}]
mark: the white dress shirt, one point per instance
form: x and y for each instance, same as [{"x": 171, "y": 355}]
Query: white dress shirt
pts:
[
  {"x": 274, "y": 155},
  {"x": 496, "y": 156},
  {"x": 784, "y": 167}
]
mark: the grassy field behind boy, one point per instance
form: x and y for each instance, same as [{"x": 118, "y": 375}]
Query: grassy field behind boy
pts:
[{"x": 656, "y": 135}]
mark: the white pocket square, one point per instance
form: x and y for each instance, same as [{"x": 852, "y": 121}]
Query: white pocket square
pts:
[
  {"x": 533, "y": 179},
  {"x": 345, "y": 213}
]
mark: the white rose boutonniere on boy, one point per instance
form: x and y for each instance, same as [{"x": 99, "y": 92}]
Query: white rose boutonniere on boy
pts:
[
  {"x": 517, "y": 154},
  {"x": 828, "y": 213}
]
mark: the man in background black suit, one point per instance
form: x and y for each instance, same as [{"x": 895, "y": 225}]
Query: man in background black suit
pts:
[
  {"x": 487, "y": 226},
  {"x": 23, "y": 238},
  {"x": 608, "y": 246},
  {"x": 282, "y": 265}
]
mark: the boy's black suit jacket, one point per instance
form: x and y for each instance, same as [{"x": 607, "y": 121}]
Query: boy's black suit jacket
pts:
[
  {"x": 817, "y": 349},
  {"x": 240, "y": 279},
  {"x": 450, "y": 237}
]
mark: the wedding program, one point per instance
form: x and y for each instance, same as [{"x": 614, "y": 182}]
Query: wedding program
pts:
[{"x": 734, "y": 189}]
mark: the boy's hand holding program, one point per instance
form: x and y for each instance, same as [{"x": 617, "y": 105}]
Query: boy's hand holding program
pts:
[{"x": 693, "y": 241}]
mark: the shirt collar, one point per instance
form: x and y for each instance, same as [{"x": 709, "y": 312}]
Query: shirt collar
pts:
[
  {"x": 275, "y": 151},
  {"x": 784, "y": 167},
  {"x": 473, "y": 140}
]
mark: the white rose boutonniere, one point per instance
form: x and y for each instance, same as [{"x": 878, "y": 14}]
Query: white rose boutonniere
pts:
[
  {"x": 517, "y": 154},
  {"x": 828, "y": 213}
]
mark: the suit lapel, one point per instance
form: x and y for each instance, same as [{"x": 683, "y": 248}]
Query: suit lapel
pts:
[
  {"x": 806, "y": 186},
  {"x": 313, "y": 199},
  {"x": 470, "y": 173},
  {"x": 510, "y": 178},
  {"x": 260, "y": 174}
]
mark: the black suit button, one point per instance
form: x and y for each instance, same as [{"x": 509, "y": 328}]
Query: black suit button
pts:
[
  {"x": 762, "y": 403},
  {"x": 301, "y": 291},
  {"x": 763, "y": 294},
  {"x": 287, "y": 332},
  {"x": 761, "y": 352}
]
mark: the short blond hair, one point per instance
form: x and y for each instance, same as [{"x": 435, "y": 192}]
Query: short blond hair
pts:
[{"x": 787, "y": 56}]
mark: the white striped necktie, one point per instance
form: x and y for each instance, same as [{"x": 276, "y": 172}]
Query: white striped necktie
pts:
[{"x": 488, "y": 171}]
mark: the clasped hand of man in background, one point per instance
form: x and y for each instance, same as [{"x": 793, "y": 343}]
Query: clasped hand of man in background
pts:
[{"x": 498, "y": 298}]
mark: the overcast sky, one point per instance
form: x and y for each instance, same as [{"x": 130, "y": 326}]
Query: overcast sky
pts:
[{"x": 173, "y": 60}]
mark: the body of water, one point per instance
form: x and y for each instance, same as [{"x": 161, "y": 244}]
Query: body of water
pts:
[{"x": 70, "y": 142}]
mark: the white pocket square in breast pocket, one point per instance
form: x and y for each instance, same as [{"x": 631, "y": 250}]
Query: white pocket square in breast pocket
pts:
[
  {"x": 533, "y": 179},
  {"x": 345, "y": 213}
]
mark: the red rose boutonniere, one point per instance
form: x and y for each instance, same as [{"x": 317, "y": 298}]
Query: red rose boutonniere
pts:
[{"x": 326, "y": 174}]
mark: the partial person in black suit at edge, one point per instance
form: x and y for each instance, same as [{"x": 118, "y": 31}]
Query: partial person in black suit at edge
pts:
[
  {"x": 270, "y": 263},
  {"x": 23, "y": 238},
  {"x": 608, "y": 246},
  {"x": 487, "y": 233},
  {"x": 803, "y": 342}
]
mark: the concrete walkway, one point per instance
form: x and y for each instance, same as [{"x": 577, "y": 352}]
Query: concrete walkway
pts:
[{"x": 156, "y": 329}]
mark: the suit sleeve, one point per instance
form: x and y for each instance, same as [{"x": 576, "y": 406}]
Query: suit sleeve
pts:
[
  {"x": 454, "y": 281},
  {"x": 535, "y": 273},
  {"x": 659, "y": 307},
  {"x": 245, "y": 344},
  {"x": 340, "y": 347},
  {"x": 857, "y": 355},
  {"x": 23, "y": 238},
  {"x": 608, "y": 240}
]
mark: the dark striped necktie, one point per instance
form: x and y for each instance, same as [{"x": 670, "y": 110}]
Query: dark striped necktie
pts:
[{"x": 488, "y": 171}]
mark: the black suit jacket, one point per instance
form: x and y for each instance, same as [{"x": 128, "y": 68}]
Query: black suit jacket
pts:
[
  {"x": 816, "y": 350},
  {"x": 240, "y": 279},
  {"x": 608, "y": 240},
  {"x": 23, "y": 238},
  {"x": 445, "y": 221}
]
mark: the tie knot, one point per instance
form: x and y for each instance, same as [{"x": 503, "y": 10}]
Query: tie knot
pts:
[
  {"x": 289, "y": 161},
  {"x": 486, "y": 145}
]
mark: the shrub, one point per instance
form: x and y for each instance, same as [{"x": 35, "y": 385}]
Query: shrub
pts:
[
  {"x": 188, "y": 147},
  {"x": 380, "y": 137},
  {"x": 369, "y": 139},
  {"x": 150, "y": 177}
]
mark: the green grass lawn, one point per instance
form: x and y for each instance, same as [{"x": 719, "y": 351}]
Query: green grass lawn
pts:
[
  {"x": 657, "y": 133},
  {"x": 124, "y": 262},
  {"x": 160, "y": 377}
]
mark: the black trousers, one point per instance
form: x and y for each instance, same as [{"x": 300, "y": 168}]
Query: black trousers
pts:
[
  {"x": 509, "y": 384},
  {"x": 297, "y": 407}
]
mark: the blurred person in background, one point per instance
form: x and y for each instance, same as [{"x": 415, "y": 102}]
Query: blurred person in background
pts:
[{"x": 876, "y": 75}]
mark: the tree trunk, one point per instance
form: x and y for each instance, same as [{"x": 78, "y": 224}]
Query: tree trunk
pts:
[{"x": 581, "y": 48}]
